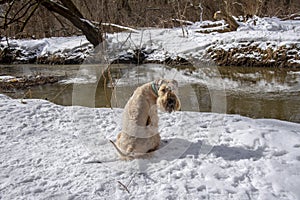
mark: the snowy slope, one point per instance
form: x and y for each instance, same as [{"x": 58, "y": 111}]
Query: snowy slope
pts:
[{"x": 49, "y": 152}]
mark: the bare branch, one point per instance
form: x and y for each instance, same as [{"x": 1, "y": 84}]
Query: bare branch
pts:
[
  {"x": 70, "y": 5},
  {"x": 28, "y": 5},
  {"x": 88, "y": 8},
  {"x": 29, "y": 16},
  {"x": 18, "y": 15},
  {"x": 89, "y": 30},
  {"x": 5, "y": 1},
  {"x": 11, "y": 4},
  {"x": 10, "y": 19},
  {"x": 61, "y": 23}
]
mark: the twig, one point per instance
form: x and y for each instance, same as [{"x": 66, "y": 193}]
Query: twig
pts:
[
  {"x": 124, "y": 186},
  {"x": 104, "y": 71},
  {"x": 114, "y": 94},
  {"x": 131, "y": 179},
  {"x": 60, "y": 92},
  {"x": 24, "y": 96},
  {"x": 26, "y": 93},
  {"x": 93, "y": 161},
  {"x": 7, "y": 42},
  {"x": 129, "y": 37}
]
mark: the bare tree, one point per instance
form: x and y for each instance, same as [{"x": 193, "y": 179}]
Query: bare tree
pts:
[
  {"x": 46, "y": 18},
  {"x": 22, "y": 11}
]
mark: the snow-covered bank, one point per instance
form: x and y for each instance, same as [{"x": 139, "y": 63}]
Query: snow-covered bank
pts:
[
  {"x": 46, "y": 151},
  {"x": 258, "y": 42},
  {"x": 56, "y": 50}
]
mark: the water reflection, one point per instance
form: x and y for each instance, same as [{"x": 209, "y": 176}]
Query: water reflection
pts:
[{"x": 253, "y": 92}]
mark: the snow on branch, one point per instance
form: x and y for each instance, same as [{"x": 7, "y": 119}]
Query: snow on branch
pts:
[
  {"x": 294, "y": 16},
  {"x": 89, "y": 22},
  {"x": 183, "y": 21},
  {"x": 120, "y": 27},
  {"x": 116, "y": 26}
]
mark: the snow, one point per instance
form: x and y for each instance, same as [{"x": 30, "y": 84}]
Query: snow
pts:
[
  {"x": 119, "y": 26},
  {"x": 6, "y": 78},
  {"x": 65, "y": 47},
  {"x": 79, "y": 80},
  {"x": 271, "y": 24},
  {"x": 185, "y": 41},
  {"x": 9, "y": 79},
  {"x": 51, "y": 152}
]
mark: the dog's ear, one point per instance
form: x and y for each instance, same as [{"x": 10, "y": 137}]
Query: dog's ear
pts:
[
  {"x": 173, "y": 85},
  {"x": 160, "y": 82},
  {"x": 166, "y": 83}
]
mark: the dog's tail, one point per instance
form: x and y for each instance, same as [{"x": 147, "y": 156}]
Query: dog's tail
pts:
[{"x": 120, "y": 152}]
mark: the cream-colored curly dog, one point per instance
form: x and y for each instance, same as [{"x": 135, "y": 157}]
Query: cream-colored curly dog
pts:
[{"x": 139, "y": 135}]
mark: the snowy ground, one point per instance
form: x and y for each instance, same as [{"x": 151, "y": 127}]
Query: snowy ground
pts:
[
  {"x": 49, "y": 152},
  {"x": 267, "y": 35},
  {"x": 52, "y": 152}
]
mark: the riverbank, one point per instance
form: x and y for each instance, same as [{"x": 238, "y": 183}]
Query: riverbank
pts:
[{"x": 262, "y": 42}]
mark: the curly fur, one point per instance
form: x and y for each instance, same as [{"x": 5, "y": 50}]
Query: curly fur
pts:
[{"x": 139, "y": 135}]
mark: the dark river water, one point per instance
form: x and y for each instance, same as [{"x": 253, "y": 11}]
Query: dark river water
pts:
[{"x": 252, "y": 92}]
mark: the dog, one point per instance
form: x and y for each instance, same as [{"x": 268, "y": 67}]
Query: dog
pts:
[{"x": 139, "y": 136}]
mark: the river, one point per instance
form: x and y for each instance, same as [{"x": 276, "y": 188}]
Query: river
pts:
[{"x": 253, "y": 92}]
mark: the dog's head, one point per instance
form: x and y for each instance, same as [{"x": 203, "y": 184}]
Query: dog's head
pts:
[{"x": 167, "y": 99}]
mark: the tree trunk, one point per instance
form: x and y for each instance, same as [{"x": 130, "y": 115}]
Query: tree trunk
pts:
[{"x": 69, "y": 11}]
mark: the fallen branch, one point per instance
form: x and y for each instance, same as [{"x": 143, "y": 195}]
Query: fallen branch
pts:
[
  {"x": 185, "y": 22},
  {"x": 291, "y": 17}
]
